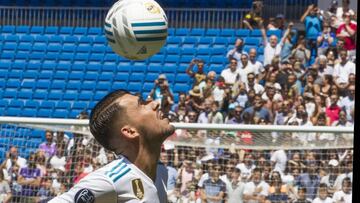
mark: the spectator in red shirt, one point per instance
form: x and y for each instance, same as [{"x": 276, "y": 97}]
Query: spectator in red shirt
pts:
[
  {"x": 347, "y": 32},
  {"x": 333, "y": 110}
]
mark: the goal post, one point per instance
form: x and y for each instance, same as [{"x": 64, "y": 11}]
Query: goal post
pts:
[{"x": 192, "y": 145}]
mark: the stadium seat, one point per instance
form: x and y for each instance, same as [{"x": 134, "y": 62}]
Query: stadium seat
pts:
[
  {"x": 255, "y": 33},
  {"x": 242, "y": 33},
  {"x": 66, "y": 31},
  {"x": 94, "y": 31},
  {"x": 227, "y": 33},
  {"x": 197, "y": 32},
  {"x": 182, "y": 31},
  {"x": 173, "y": 51},
  {"x": 252, "y": 41},
  {"x": 178, "y": 87},
  {"x": 190, "y": 42},
  {"x": 134, "y": 87},
  {"x": 37, "y": 30},
  {"x": 148, "y": 86},
  {"x": 277, "y": 33},
  {"x": 121, "y": 77},
  {"x": 151, "y": 77},
  {"x": 173, "y": 41},
  {"x": 212, "y": 32},
  {"x": 205, "y": 42},
  {"x": 188, "y": 51},
  {"x": 136, "y": 77},
  {"x": 8, "y": 30}
]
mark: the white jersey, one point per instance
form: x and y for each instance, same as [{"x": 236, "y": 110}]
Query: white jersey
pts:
[{"x": 118, "y": 181}]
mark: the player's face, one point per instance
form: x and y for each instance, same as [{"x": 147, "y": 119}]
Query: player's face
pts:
[{"x": 146, "y": 117}]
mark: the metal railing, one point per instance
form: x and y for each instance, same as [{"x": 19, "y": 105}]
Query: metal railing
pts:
[{"x": 94, "y": 17}]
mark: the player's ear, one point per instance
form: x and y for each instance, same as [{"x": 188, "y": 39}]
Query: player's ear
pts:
[{"x": 129, "y": 132}]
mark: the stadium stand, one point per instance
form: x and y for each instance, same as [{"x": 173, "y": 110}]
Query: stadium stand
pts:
[{"x": 66, "y": 53}]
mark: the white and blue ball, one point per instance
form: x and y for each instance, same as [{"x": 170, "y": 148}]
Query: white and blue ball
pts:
[{"x": 136, "y": 29}]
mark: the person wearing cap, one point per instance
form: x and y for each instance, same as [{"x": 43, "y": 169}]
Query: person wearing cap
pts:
[
  {"x": 199, "y": 75},
  {"x": 196, "y": 101},
  {"x": 162, "y": 93},
  {"x": 280, "y": 21}
]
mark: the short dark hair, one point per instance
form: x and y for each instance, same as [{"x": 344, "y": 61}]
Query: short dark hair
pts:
[
  {"x": 302, "y": 189},
  {"x": 103, "y": 117}
]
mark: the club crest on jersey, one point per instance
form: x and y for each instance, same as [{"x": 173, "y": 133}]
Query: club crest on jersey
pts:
[
  {"x": 84, "y": 196},
  {"x": 138, "y": 188}
]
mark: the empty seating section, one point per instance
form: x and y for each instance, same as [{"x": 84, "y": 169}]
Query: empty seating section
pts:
[{"x": 60, "y": 71}]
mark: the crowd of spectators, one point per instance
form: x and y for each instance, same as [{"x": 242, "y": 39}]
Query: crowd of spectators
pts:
[{"x": 307, "y": 80}]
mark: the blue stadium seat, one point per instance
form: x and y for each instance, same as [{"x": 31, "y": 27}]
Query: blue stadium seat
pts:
[
  {"x": 212, "y": 32},
  {"x": 151, "y": 77},
  {"x": 119, "y": 85},
  {"x": 182, "y": 31},
  {"x": 173, "y": 51},
  {"x": 107, "y": 77},
  {"x": 70, "y": 95},
  {"x": 188, "y": 51},
  {"x": 169, "y": 69},
  {"x": 22, "y": 30},
  {"x": 277, "y": 33},
  {"x": 173, "y": 59},
  {"x": 66, "y": 31},
  {"x": 95, "y": 31},
  {"x": 136, "y": 77},
  {"x": 80, "y": 31},
  {"x": 121, "y": 77},
  {"x": 55, "y": 95},
  {"x": 111, "y": 59},
  {"x": 37, "y": 30},
  {"x": 40, "y": 94},
  {"x": 203, "y": 51},
  {"x": 28, "y": 112},
  {"x": 157, "y": 59},
  {"x": 148, "y": 86},
  {"x": 173, "y": 41},
  {"x": 205, "y": 42},
  {"x": 248, "y": 47},
  {"x": 73, "y": 85},
  {"x": 171, "y": 31},
  {"x": 60, "y": 113},
  {"x": 218, "y": 60},
  {"x": 190, "y": 42},
  {"x": 51, "y": 30},
  {"x": 8, "y": 30},
  {"x": 178, "y": 87},
  {"x": 182, "y": 78},
  {"x": 242, "y": 33},
  {"x": 63, "y": 105},
  {"x": 139, "y": 68},
  {"x": 197, "y": 32},
  {"x": 59, "y": 85},
  {"x": 103, "y": 86},
  {"x": 24, "y": 94},
  {"x": 44, "y": 113},
  {"x": 134, "y": 86},
  {"x": 252, "y": 41},
  {"x": 227, "y": 32},
  {"x": 79, "y": 105},
  {"x": 99, "y": 95},
  {"x": 216, "y": 67},
  {"x": 217, "y": 51},
  {"x": 255, "y": 33}
]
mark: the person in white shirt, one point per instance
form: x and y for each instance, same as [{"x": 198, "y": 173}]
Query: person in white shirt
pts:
[
  {"x": 256, "y": 190},
  {"x": 323, "y": 196},
  {"x": 235, "y": 188},
  {"x": 13, "y": 157},
  {"x": 231, "y": 74},
  {"x": 245, "y": 69},
  {"x": 58, "y": 161},
  {"x": 348, "y": 102},
  {"x": 246, "y": 167},
  {"x": 343, "y": 69},
  {"x": 344, "y": 195},
  {"x": 134, "y": 130},
  {"x": 278, "y": 159},
  {"x": 236, "y": 51},
  {"x": 272, "y": 47},
  {"x": 258, "y": 67}
]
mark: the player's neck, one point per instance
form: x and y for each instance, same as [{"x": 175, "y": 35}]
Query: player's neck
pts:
[{"x": 146, "y": 160}]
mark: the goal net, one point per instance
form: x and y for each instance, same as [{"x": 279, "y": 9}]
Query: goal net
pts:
[{"x": 63, "y": 151}]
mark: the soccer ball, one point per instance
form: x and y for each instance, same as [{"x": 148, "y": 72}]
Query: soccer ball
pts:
[{"x": 136, "y": 29}]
